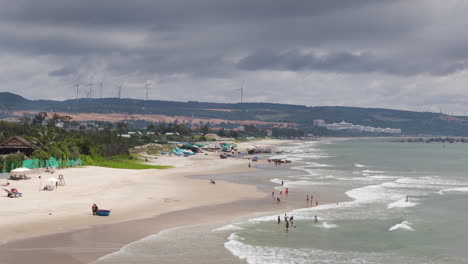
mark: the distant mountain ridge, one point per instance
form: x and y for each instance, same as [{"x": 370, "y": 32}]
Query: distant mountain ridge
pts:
[{"x": 412, "y": 123}]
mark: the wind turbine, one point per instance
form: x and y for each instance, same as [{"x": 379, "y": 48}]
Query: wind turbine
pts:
[
  {"x": 241, "y": 92},
  {"x": 101, "y": 85},
  {"x": 119, "y": 87},
  {"x": 90, "y": 85},
  {"x": 147, "y": 84},
  {"x": 77, "y": 85}
]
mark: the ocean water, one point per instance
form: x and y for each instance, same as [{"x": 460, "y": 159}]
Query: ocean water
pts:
[{"x": 375, "y": 225}]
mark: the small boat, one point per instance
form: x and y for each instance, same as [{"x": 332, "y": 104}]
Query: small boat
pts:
[{"x": 102, "y": 212}]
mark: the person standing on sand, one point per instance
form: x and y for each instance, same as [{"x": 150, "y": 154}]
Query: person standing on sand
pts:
[
  {"x": 279, "y": 219},
  {"x": 94, "y": 208},
  {"x": 307, "y": 198}
]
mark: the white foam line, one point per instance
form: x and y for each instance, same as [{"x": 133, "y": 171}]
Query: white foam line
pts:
[{"x": 403, "y": 225}]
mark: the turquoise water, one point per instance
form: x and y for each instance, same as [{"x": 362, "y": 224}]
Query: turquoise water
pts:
[
  {"x": 378, "y": 225},
  {"x": 375, "y": 225}
]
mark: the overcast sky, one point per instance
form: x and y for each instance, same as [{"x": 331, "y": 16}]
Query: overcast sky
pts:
[{"x": 368, "y": 53}]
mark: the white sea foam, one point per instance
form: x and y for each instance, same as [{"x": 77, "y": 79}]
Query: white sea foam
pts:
[
  {"x": 371, "y": 193},
  {"x": 401, "y": 204},
  {"x": 303, "y": 183},
  {"x": 230, "y": 227},
  {"x": 254, "y": 254},
  {"x": 277, "y": 181},
  {"x": 403, "y": 225},
  {"x": 359, "y": 165},
  {"x": 326, "y": 225},
  {"x": 129, "y": 248},
  {"x": 372, "y": 171},
  {"x": 382, "y": 177},
  {"x": 315, "y": 164},
  {"x": 461, "y": 189}
]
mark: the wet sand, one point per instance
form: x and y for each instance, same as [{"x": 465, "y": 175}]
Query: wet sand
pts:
[{"x": 88, "y": 244}]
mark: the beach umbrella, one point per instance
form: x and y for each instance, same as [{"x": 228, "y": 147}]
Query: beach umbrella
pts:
[
  {"x": 22, "y": 169},
  {"x": 52, "y": 179}
]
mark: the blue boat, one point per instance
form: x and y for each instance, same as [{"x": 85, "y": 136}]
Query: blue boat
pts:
[{"x": 103, "y": 212}]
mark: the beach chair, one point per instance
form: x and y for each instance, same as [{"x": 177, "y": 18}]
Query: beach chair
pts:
[{"x": 12, "y": 193}]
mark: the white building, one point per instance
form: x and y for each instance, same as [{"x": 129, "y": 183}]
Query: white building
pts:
[
  {"x": 359, "y": 128},
  {"x": 319, "y": 123},
  {"x": 344, "y": 126}
]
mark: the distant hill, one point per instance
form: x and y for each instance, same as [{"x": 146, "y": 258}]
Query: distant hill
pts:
[
  {"x": 12, "y": 99},
  {"x": 412, "y": 123}
]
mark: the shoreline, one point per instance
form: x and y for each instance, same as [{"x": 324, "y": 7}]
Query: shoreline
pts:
[
  {"x": 131, "y": 194},
  {"x": 84, "y": 244}
]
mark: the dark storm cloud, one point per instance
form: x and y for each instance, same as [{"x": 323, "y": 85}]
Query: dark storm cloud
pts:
[
  {"x": 198, "y": 37},
  {"x": 342, "y": 62},
  {"x": 387, "y": 50}
]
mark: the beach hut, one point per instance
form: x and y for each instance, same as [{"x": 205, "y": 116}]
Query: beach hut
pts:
[{"x": 16, "y": 144}]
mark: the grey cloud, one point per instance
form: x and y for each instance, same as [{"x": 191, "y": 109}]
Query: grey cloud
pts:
[
  {"x": 202, "y": 48},
  {"x": 64, "y": 71},
  {"x": 345, "y": 62}
]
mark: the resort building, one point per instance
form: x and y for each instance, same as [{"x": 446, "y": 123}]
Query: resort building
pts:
[{"x": 358, "y": 128}]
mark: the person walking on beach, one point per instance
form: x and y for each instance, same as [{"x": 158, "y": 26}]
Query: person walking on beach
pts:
[
  {"x": 291, "y": 219},
  {"x": 278, "y": 200},
  {"x": 316, "y": 203},
  {"x": 94, "y": 208},
  {"x": 307, "y": 198},
  {"x": 287, "y": 225},
  {"x": 287, "y": 190},
  {"x": 282, "y": 183},
  {"x": 285, "y": 217},
  {"x": 315, "y": 219},
  {"x": 279, "y": 219},
  {"x": 273, "y": 194}
]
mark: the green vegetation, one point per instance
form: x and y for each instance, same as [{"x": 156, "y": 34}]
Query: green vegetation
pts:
[
  {"x": 412, "y": 123},
  {"x": 100, "y": 148},
  {"x": 121, "y": 162}
]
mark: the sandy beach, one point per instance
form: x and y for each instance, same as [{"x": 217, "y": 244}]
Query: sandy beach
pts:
[{"x": 131, "y": 194}]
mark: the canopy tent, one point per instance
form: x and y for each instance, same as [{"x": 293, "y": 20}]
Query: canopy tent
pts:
[
  {"x": 22, "y": 169},
  {"x": 52, "y": 179}
]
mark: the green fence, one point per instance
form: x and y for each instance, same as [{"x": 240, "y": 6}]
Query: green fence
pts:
[{"x": 52, "y": 162}]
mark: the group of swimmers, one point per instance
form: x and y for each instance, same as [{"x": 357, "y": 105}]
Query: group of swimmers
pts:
[
  {"x": 311, "y": 200},
  {"x": 287, "y": 219},
  {"x": 277, "y": 198}
]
